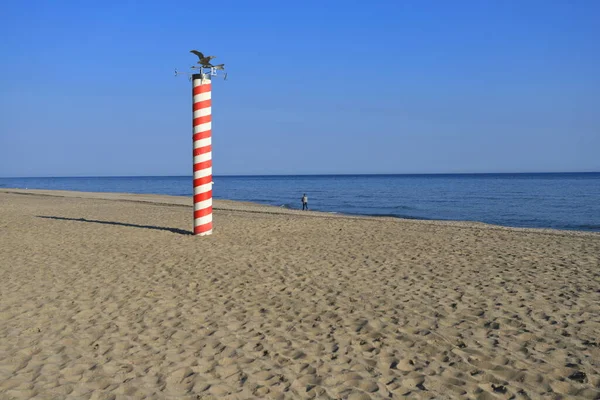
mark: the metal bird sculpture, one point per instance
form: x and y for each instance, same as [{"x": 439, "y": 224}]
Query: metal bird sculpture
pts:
[{"x": 204, "y": 61}]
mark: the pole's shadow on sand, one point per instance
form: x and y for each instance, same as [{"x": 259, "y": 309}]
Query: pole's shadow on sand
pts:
[{"x": 158, "y": 228}]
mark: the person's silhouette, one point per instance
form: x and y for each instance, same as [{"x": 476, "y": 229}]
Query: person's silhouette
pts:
[{"x": 304, "y": 202}]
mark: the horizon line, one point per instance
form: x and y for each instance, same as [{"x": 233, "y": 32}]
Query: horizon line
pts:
[{"x": 307, "y": 175}]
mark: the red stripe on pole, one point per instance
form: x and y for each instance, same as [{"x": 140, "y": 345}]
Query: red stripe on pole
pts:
[
  {"x": 202, "y": 181},
  {"x": 202, "y": 120},
  {"x": 203, "y": 196},
  {"x": 202, "y": 213},
  {"x": 202, "y": 165},
  {"x": 203, "y": 228},
  {"x": 201, "y": 135},
  {"x": 202, "y": 150},
  {"x": 202, "y": 104},
  {"x": 202, "y": 89}
]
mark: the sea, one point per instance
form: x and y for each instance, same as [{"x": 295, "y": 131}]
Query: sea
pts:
[{"x": 569, "y": 201}]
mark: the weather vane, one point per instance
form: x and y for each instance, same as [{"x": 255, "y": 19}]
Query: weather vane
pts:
[{"x": 204, "y": 66}]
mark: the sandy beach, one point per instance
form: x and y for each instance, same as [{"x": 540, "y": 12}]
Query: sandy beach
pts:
[{"x": 109, "y": 296}]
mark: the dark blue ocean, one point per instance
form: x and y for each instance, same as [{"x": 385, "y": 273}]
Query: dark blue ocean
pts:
[{"x": 558, "y": 200}]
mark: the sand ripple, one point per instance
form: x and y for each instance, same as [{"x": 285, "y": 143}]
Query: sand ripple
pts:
[{"x": 281, "y": 305}]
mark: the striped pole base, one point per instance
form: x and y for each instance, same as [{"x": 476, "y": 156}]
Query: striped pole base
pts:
[{"x": 202, "y": 155}]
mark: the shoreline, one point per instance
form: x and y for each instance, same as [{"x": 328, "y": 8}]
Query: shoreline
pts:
[{"x": 243, "y": 206}]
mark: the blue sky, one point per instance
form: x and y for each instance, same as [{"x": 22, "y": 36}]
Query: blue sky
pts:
[{"x": 314, "y": 86}]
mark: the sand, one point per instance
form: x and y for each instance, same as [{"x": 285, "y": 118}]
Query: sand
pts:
[{"x": 109, "y": 296}]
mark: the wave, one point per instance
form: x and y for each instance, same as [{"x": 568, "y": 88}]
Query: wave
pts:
[
  {"x": 397, "y": 216},
  {"x": 258, "y": 200},
  {"x": 392, "y": 215},
  {"x": 587, "y": 227},
  {"x": 404, "y": 208}
]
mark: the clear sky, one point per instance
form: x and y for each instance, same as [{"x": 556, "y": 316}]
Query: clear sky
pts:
[{"x": 314, "y": 86}]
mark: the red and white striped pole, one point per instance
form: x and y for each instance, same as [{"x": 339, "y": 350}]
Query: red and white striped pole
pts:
[{"x": 201, "y": 84}]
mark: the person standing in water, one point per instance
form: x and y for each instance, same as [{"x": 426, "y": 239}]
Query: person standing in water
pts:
[{"x": 304, "y": 202}]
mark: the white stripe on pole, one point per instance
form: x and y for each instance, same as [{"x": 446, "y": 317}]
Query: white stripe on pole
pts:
[
  {"x": 201, "y": 97},
  {"x": 203, "y": 188},
  {"x": 201, "y": 205},
  {"x": 203, "y": 127},
  {"x": 203, "y": 220},
  {"x": 203, "y": 173},
  {"x": 202, "y": 112},
  {"x": 202, "y": 142},
  {"x": 202, "y": 157}
]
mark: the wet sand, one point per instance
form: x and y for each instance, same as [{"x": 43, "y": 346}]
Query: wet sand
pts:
[{"x": 110, "y": 296}]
